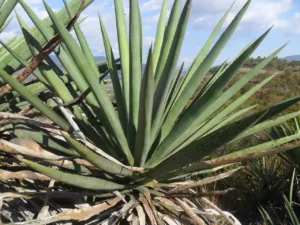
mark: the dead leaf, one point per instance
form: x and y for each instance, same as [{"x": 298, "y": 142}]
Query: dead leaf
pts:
[{"x": 24, "y": 174}]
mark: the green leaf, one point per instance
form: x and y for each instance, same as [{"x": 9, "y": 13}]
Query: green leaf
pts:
[
  {"x": 208, "y": 144},
  {"x": 83, "y": 43},
  {"x": 98, "y": 90},
  {"x": 11, "y": 64},
  {"x": 124, "y": 49},
  {"x": 265, "y": 216},
  {"x": 204, "y": 67},
  {"x": 35, "y": 101},
  {"x": 292, "y": 186},
  {"x": 6, "y": 9},
  {"x": 118, "y": 93},
  {"x": 97, "y": 160},
  {"x": 215, "y": 120},
  {"x": 169, "y": 36},
  {"x": 203, "y": 52},
  {"x": 135, "y": 69},
  {"x": 5, "y": 24},
  {"x": 160, "y": 31},
  {"x": 203, "y": 108},
  {"x": 163, "y": 86},
  {"x": 42, "y": 137},
  {"x": 91, "y": 183},
  {"x": 255, "y": 151},
  {"x": 36, "y": 73},
  {"x": 1, "y": 3},
  {"x": 68, "y": 63},
  {"x": 143, "y": 137},
  {"x": 173, "y": 90},
  {"x": 267, "y": 124},
  {"x": 291, "y": 211}
]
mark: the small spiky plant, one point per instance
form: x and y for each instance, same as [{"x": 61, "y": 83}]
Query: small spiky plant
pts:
[{"x": 136, "y": 158}]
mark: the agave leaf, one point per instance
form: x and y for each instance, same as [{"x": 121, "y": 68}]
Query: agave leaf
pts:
[
  {"x": 124, "y": 49},
  {"x": 5, "y": 24},
  {"x": 265, "y": 216},
  {"x": 291, "y": 211},
  {"x": 1, "y": 3},
  {"x": 207, "y": 128},
  {"x": 267, "y": 124},
  {"x": 135, "y": 69},
  {"x": 194, "y": 170},
  {"x": 197, "y": 150},
  {"x": 232, "y": 117},
  {"x": 97, "y": 160},
  {"x": 86, "y": 182},
  {"x": 256, "y": 151},
  {"x": 115, "y": 78},
  {"x": 292, "y": 187},
  {"x": 143, "y": 137},
  {"x": 199, "y": 112},
  {"x": 53, "y": 79},
  {"x": 6, "y": 9},
  {"x": 160, "y": 31},
  {"x": 212, "y": 80},
  {"x": 71, "y": 165},
  {"x": 173, "y": 91},
  {"x": 11, "y": 42},
  {"x": 98, "y": 90},
  {"x": 241, "y": 83},
  {"x": 204, "y": 67},
  {"x": 36, "y": 73},
  {"x": 83, "y": 43},
  {"x": 86, "y": 213},
  {"x": 11, "y": 65},
  {"x": 68, "y": 63},
  {"x": 161, "y": 92},
  {"x": 40, "y": 136},
  {"x": 203, "y": 52},
  {"x": 35, "y": 101},
  {"x": 169, "y": 36}
]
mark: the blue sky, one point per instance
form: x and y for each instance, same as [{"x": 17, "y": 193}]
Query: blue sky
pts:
[{"x": 284, "y": 14}]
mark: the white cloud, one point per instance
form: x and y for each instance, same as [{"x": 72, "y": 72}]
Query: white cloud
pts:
[
  {"x": 260, "y": 15},
  {"x": 205, "y": 14},
  {"x": 148, "y": 40}
]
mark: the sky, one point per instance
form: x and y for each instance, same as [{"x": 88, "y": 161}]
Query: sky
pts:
[{"x": 262, "y": 14}]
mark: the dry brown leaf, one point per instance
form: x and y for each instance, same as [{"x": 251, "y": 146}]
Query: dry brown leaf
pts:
[
  {"x": 141, "y": 214},
  {"x": 169, "y": 203},
  {"x": 25, "y": 174},
  {"x": 213, "y": 206},
  {"x": 148, "y": 211},
  {"x": 204, "y": 181},
  {"x": 197, "y": 220},
  {"x": 12, "y": 148},
  {"x": 147, "y": 194},
  {"x": 135, "y": 220},
  {"x": 86, "y": 213},
  {"x": 167, "y": 219}
]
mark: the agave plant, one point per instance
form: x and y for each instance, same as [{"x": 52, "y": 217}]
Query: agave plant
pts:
[
  {"x": 132, "y": 161},
  {"x": 288, "y": 203},
  {"x": 266, "y": 177}
]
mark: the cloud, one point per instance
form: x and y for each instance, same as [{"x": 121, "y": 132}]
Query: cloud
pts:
[
  {"x": 204, "y": 15},
  {"x": 260, "y": 15}
]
